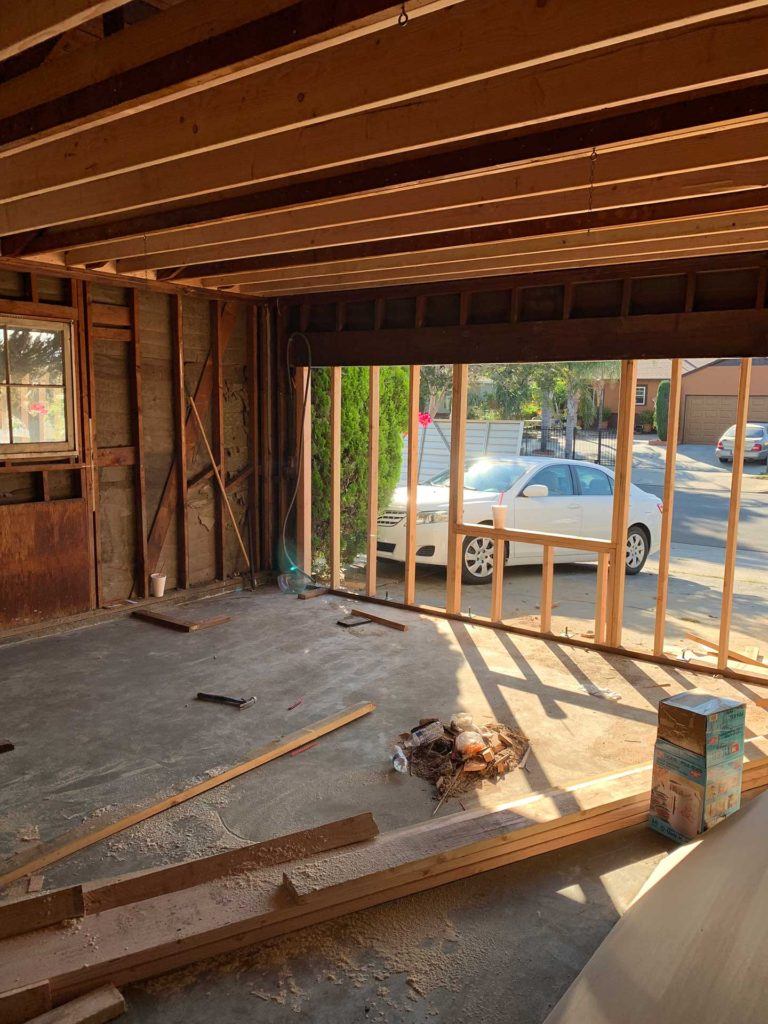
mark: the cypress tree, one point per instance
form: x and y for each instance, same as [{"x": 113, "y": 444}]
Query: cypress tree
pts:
[{"x": 661, "y": 410}]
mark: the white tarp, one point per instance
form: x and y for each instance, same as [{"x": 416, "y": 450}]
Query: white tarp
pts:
[{"x": 502, "y": 438}]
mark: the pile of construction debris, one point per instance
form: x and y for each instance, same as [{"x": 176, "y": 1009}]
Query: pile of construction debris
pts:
[{"x": 458, "y": 756}]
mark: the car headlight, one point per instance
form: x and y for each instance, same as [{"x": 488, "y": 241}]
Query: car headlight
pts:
[{"x": 422, "y": 518}]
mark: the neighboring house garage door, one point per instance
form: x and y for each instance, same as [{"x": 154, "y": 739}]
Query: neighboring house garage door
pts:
[{"x": 708, "y": 416}]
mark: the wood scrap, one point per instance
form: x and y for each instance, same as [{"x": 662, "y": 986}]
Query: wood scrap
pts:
[
  {"x": 65, "y": 845},
  {"x": 97, "y": 1007},
  {"x": 40, "y": 910},
  {"x": 180, "y": 625},
  {"x": 380, "y": 620},
  {"x": 164, "y": 933},
  {"x": 21, "y": 1004},
  {"x": 691, "y": 946},
  {"x": 35, "y": 883},
  {"x": 742, "y": 656}
]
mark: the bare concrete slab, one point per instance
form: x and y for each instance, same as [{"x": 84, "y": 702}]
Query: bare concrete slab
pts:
[{"x": 105, "y": 717}]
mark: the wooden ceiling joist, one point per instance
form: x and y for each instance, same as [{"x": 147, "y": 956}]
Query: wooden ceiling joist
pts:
[
  {"x": 29, "y": 221},
  {"x": 185, "y": 48},
  {"x": 571, "y": 200},
  {"x": 142, "y": 168},
  {"x": 24, "y": 25},
  {"x": 703, "y": 215},
  {"x": 494, "y": 48},
  {"x": 403, "y": 278}
]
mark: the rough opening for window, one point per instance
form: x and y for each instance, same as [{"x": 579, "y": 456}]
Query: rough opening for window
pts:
[{"x": 36, "y": 390}]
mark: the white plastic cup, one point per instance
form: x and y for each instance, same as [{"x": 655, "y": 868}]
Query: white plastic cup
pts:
[
  {"x": 499, "y": 516},
  {"x": 157, "y": 584}
]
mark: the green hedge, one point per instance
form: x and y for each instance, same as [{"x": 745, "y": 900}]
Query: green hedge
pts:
[
  {"x": 661, "y": 410},
  {"x": 393, "y": 421}
]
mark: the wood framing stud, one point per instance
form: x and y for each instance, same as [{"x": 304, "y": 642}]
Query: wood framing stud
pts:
[
  {"x": 621, "y": 491},
  {"x": 673, "y": 426},
  {"x": 373, "y": 481},
  {"x": 412, "y": 485},
  {"x": 180, "y": 411},
  {"x": 456, "y": 489},
  {"x": 547, "y": 586},
  {"x": 303, "y": 456},
  {"x": 335, "y": 540},
  {"x": 732, "y": 535},
  {"x": 142, "y": 571}
]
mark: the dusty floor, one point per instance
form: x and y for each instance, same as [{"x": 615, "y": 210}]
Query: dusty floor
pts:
[{"x": 105, "y": 717}]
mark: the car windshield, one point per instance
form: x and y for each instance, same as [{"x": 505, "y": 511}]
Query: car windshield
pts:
[
  {"x": 486, "y": 475},
  {"x": 753, "y": 430}
]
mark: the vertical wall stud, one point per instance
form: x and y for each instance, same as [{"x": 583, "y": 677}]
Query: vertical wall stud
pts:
[
  {"x": 254, "y": 483},
  {"x": 621, "y": 490},
  {"x": 732, "y": 535},
  {"x": 601, "y": 597},
  {"x": 373, "y": 481},
  {"x": 303, "y": 451},
  {"x": 217, "y": 436},
  {"x": 142, "y": 578},
  {"x": 335, "y": 541},
  {"x": 456, "y": 488},
  {"x": 547, "y": 586},
  {"x": 497, "y": 580},
  {"x": 673, "y": 422},
  {"x": 413, "y": 482},
  {"x": 180, "y": 410}
]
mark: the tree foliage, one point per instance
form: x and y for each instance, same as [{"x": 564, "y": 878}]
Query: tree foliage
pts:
[
  {"x": 661, "y": 410},
  {"x": 393, "y": 422}
]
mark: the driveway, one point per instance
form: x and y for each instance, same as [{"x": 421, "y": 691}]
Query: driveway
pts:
[{"x": 702, "y": 496}]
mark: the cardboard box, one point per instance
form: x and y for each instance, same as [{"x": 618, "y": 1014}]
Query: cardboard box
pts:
[
  {"x": 710, "y": 726},
  {"x": 689, "y": 793}
]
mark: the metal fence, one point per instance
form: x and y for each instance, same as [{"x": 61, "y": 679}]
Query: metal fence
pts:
[{"x": 594, "y": 445}]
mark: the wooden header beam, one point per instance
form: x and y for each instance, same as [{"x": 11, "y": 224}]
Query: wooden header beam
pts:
[{"x": 718, "y": 334}]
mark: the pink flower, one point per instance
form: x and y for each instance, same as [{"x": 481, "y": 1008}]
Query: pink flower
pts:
[
  {"x": 425, "y": 419},
  {"x": 39, "y": 407}
]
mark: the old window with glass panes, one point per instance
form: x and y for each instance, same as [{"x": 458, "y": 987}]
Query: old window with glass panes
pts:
[{"x": 36, "y": 388}]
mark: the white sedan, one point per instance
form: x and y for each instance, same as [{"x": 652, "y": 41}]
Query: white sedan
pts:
[{"x": 546, "y": 495}]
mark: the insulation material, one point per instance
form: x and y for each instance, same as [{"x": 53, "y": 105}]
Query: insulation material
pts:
[{"x": 117, "y": 531}]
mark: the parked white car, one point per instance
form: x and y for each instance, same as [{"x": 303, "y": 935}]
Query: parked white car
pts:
[{"x": 546, "y": 495}]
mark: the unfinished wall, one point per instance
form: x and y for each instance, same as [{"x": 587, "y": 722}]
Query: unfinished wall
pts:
[{"x": 90, "y": 536}]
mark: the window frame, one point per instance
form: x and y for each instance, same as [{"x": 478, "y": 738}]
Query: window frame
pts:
[
  {"x": 569, "y": 470},
  {"x": 42, "y": 450},
  {"x": 644, "y": 389},
  {"x": 575, "y": 470}
]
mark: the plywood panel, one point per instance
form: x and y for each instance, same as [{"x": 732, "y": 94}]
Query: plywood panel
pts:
[
  {"x": 117, "y": 532},
  {"x": 44, "y": 562}
]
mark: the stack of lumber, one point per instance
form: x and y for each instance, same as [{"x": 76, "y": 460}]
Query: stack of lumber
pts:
[
  {"x": 692, "y": 945},
  {"x": 165, "y": 926}
]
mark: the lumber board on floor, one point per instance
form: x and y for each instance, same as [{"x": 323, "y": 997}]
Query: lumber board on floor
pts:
[
  {"x": 180, "y": 625},
  {"x": 40, "y": 910},
  {"x": 742, "y": 656},
  {"x": 97, "y": 1007},
  {"x": 380, "y": 619},
  {"x": 171, "y": 930},
  {"x": 691, "y": 947},
  {"x": 143, "y": 885},
  {"x": 21, "y": 1004},
  {"x": 77, "y": 840}
]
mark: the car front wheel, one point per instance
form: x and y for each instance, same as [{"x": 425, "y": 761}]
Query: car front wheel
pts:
[
  {"x": 637, "y": 550},
  {"x": 477, "y": 560}
]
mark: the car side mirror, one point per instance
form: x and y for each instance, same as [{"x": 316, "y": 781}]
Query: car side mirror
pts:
[{"x": 536, "y": 491}]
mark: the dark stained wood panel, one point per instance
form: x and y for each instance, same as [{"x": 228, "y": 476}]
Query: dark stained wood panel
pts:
[{"x": 44, "y": 563}]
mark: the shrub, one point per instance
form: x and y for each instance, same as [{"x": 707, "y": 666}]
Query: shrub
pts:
[
  {"x": 393, "y": 421},
  {"x": 661, "y": 410}
]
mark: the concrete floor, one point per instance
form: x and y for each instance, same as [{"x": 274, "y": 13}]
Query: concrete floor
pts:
[{"x": 104, "y": 718}]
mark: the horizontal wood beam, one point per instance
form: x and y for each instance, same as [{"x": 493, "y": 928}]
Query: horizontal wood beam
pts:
[
  {"x": 566, "y": 275},
  {"x": 186, "y": 47},
  {"x": 25, "y": 224},
  {"x": 547, "y": 540},
  {"x": 629, "y": 241},
  {"x": 739, "y": 243},
  {"x": 487, "y": 71},
  {"x": 732, "y": 333},
  {"x": 23, "y": 25},
  {"x": 577, "y": 223},
  {"x": 550, "y": 204},
  {"x": 723, "y": 159}
]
